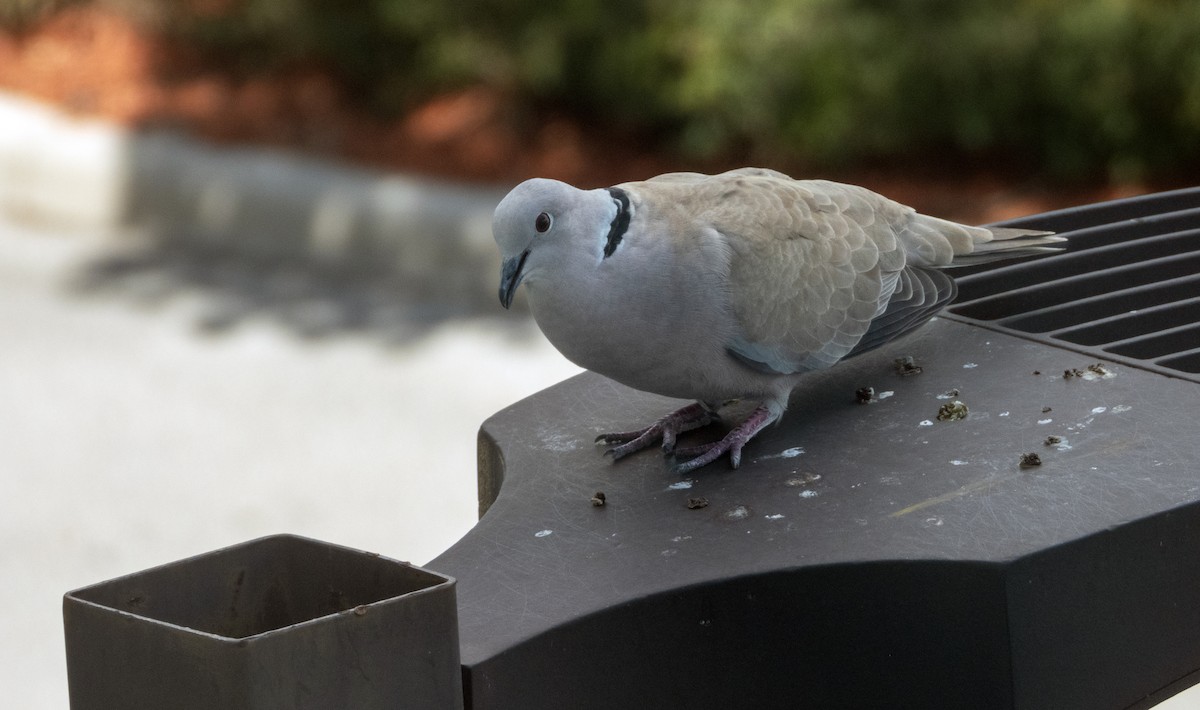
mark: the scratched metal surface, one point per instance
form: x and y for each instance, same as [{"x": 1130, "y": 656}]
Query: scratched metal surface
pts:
[{"x": 836, "y": 482}]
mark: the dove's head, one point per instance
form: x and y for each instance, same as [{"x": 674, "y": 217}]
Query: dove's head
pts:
[{"x": 548, "y": 229}]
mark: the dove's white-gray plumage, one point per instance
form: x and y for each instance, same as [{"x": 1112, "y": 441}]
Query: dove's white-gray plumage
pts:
[{"x": 730, "y": 286}]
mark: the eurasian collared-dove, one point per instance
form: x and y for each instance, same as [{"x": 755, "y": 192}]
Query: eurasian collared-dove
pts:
[{"x": 727, "y": 287}]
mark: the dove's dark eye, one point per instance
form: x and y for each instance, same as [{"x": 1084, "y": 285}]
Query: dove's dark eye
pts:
[{"x": 542, "y": 223}]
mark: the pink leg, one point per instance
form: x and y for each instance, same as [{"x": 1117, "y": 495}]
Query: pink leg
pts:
[
  {"x": 731, "y": 444},
  {"x": 668, "y": 428}
]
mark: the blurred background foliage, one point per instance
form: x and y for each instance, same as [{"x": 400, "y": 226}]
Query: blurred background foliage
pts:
[{"x": 1072, "y": 88}]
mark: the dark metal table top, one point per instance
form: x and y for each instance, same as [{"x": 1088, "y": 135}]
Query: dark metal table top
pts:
[{"x": 861, "y": 552}]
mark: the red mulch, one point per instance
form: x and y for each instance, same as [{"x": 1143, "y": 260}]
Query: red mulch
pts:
[{"x": 93, "y": 62}]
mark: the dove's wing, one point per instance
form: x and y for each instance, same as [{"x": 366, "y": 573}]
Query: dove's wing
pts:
[
  {"x": 813, "y": 264},
  {"x": 919, "y": 295},
  {"x": 820, "y": 270},
  {"x": 693, "y": 178}
]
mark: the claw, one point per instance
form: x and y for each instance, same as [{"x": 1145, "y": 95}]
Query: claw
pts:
[
  {"x": 690, "y": 417},
  {"x": 668, "y": 441},
  {"x": 667, "y": 429},
  {"x": 732, "y": 443},
  {"x": 619, "y": 437}
]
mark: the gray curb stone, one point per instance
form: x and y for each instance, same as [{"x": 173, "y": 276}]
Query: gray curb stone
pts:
[{"x": 264, "y": 204}]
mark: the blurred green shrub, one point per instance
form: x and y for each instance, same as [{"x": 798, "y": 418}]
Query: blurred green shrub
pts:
[
  {"x": 1072, "y": 87},
  {"x": 19, "y": 14}
]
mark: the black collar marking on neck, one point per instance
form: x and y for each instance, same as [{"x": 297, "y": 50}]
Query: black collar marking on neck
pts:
[{"x": 620, "y": 222}]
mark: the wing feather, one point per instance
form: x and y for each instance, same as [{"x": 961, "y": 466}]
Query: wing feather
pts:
[{"x": 818, "y": 270}]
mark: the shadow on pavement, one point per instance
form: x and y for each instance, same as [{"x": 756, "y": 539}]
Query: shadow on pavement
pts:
[{"x": 310, "y": 301}]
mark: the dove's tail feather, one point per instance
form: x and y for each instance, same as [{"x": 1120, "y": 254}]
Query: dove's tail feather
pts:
[{"x": 1009, "y": 243}]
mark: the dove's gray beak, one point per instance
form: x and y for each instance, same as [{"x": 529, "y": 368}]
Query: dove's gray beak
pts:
[{"x": 511, "y": 273}]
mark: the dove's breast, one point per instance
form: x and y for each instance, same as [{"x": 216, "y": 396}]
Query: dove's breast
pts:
[{"x": 655, "y": 316}]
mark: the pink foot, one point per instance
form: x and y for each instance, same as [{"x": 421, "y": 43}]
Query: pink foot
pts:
[
  {"x": 731, "y": 444},
  {"x": 667, "y": 429}
]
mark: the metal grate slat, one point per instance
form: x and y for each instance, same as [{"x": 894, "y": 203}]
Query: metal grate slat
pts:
[
  {"x": 1185, "y": 362},
  {"x": 1079, "y": 286},
  {"x": 1127, "y": 289},
  {"x": 1155, "y": 346},
  {"x": 1093, "y": 308},
  {"x": 1136, "y": 322},
  {"x": 1089, "y": 250},
  {"x": 1073, "y": 219}
]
